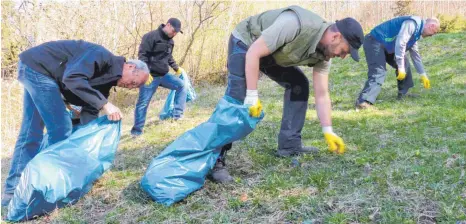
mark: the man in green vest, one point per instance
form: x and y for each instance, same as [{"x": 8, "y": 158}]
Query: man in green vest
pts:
[{"x": 276, "y": 42}]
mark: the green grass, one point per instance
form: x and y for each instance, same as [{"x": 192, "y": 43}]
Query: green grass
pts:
[{"x": 405, "y": 161}]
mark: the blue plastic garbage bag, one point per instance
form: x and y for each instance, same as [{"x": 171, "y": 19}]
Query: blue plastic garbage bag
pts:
[
  {"x": 182, "y": 167},
  {"x": 62, "y": 173},
  {"x": 167, "y": 110}
]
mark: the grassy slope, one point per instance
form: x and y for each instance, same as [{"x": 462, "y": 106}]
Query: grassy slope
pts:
[{"x": 380, "y": 178}]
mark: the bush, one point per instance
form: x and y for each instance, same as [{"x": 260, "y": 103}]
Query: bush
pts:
[{"x": 451, "y": 24}]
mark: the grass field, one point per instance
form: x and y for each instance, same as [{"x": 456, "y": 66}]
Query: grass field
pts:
[{"x": 405, "y": 161}]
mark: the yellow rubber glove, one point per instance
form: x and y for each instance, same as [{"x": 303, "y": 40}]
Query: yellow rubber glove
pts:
[
  {"x": 149, "y": 80},
  {"x": 425, "y": 81},
  {"x": 401, "y": 75},
  {"x": 179, "y": 71},
  {"x": 255, "y": 110},
  {"x": 335, "y": 143}
]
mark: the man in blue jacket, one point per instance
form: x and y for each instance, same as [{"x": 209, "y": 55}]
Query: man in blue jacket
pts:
[
  {"x": 83, "y": 73},
  {"x": 388, "y": 43},
  {"x": 156, "y": 50}
]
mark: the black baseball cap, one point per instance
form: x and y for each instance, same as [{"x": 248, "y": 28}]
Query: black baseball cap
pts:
[
  {"x": 176, "y": 23},
  {"x": 352, "y": 32}
]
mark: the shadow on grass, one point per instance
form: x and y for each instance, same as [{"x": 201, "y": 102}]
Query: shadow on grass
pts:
[
  {"x": 128, "y": 137},
  {"x": 135, "y": 194},
  {"x": 136, "y": 159},
  {"x": 6, "y": 161}
]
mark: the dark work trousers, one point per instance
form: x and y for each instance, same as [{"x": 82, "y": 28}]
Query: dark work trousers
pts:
[
  {"x": 292, "y": 79},
  {"x": 377, "y": 58}
]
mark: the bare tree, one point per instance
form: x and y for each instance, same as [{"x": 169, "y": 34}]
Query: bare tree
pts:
[
  {"x": 119, "y": 25},
  {"x": 204, "y": 13},
  {"x": 403, "y": 7}
]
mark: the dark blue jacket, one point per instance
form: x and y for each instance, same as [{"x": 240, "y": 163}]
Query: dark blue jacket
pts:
[
  {"x": 84, "y": 71},
  {"x": 387, "y": 32},
  {"x": 156, "y": 51}
]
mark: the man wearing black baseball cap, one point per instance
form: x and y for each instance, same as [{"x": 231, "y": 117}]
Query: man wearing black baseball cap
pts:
[
  {"x": 276, "y": 42},
  {"x": 176, "y": 24},
  {"x": 156, "y": 50},
  {"x": 353, "y": 34}
]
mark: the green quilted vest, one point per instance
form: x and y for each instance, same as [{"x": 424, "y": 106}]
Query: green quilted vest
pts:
[{"x": 300, "y": 51}]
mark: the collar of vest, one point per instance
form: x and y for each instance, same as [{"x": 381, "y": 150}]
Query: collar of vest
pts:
[{"x": 421, "y": 28}]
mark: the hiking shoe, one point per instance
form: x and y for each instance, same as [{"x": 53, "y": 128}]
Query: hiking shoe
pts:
[
  {"x": 135, "y": 132},
  {"x": 220, "y": 173},
  {"x": 296, "y": 151},
  {"x": 135, "y": 135},
  {"x": 178, "y": 118},
  {"x": 364, "y": 105},
  {"x": 6, "y": 198}
]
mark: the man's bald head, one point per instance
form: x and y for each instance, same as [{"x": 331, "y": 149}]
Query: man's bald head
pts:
[
  {"x": 431, "y": 27},
  {"x": 135, "y": 74}
]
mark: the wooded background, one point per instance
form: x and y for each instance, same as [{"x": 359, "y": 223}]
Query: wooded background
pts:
[{"x": 207, "y": 25}]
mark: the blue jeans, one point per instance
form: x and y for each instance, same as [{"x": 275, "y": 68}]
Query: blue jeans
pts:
[
  {"x": 42, "y": 106},
  {"x": 145, "y": 95}
]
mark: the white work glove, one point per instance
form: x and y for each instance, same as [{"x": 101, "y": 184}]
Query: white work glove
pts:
[
  {"x": 252, "y": 100},
  {"x": 252, "y": 96}
]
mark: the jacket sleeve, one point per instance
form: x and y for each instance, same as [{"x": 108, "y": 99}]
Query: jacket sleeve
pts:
[
  {"x": 172, "y": 61},
  {"x": 406, "y": 32},
  {"x": 88, "y": 114},
  {"x": 417, "y": 60},
  {"x": 79, "y": 70},
  {"x": 145, "y": 48}
]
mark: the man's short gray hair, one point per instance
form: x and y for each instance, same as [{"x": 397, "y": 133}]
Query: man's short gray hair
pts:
[
  {"x": 433, "y": 20},
  {"x": 140, "y": 65}
]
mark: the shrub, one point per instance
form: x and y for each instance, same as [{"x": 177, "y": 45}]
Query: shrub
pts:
[{"x": 452, "y": 23}]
